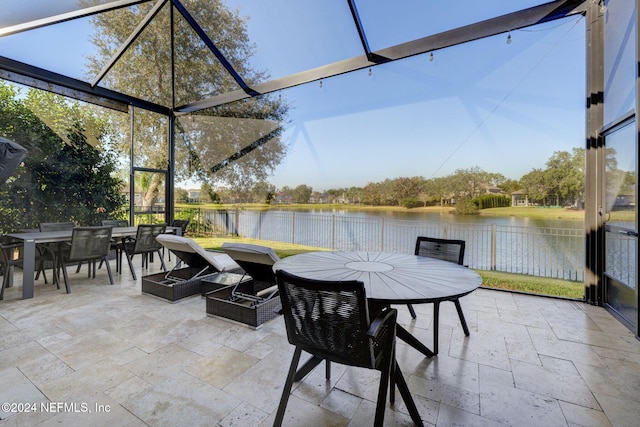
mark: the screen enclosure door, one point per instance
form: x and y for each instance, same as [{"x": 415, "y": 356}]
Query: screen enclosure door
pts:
[{"x": 621, "y": 233}]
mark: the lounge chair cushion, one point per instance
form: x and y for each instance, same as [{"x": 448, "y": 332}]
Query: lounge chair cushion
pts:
[
  {"x": 183, "y": 245},
  {"x": 245, "y": 252}
]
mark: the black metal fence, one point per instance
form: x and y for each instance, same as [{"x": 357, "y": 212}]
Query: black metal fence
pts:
[{"x": 544, "y": 252}]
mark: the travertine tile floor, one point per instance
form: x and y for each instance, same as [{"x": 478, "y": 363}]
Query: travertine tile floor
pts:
[{"x": 110, "y": 356}]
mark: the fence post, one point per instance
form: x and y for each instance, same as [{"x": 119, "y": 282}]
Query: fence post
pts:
[
  {"x": 260, "y": 226},
  {"x": 293, "y": 227},
  {"x": 333, "y": 232},
  {"x": 493, "y": 246},
  {"x": 382, "y": 235}
]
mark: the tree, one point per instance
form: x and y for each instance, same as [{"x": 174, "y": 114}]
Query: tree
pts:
[
  {"x": 408, "y": 188},
  {"x": 181, "y": 195},
  {"x": 263, "y": 192},
  {"x": 206, "y": 142},
  {"x": 373, "y": 194},
  {"x": 510, "y": 185},
  {"x": 565, "y": 175},
  {"x": 468, "y": 183},
  {"x": 535, "y": 186},
  {"x": 63, "y": 177},
  {"x": 302, "y": 193}
]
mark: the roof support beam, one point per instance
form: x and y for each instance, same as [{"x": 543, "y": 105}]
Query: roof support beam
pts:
[
  {"x": 491, "y": 27},
  {"x": 246, "y": 150},
  {"x": 81, "y": 13},
  {"x": 127, "y": 43},
  {"x": 29, "y": 75},
  {"x": 363, "y": 37},
  {"x": 212, "y": 47}
]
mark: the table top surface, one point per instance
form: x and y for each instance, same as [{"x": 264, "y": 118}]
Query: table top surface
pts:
[
  {"x": 62, "y": 235},
  {"x": 389, "y": 277}
]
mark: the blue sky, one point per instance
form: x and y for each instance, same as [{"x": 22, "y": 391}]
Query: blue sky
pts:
[{"x": 501, "y": 107}]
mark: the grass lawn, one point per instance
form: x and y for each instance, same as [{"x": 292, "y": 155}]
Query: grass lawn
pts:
[
  {"x": 532, "y": 284},
  {"x": 281, "y": 248},
  {"x": 490, "y": 279}
]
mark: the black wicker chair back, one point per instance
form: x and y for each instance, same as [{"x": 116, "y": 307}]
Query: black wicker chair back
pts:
[
  {"x": 444, "y": 249},
  {"x": 182, "y": 223},
  {"x": 329, "y": 319}
]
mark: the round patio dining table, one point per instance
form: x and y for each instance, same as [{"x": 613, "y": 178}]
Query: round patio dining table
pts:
[{"x": 389, "y": 278}]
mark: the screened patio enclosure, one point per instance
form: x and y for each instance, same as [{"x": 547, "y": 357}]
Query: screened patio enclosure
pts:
[{"x": 213, "y": 94}]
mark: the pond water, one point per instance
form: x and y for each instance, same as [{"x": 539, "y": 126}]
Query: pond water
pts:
[{"x": 451, "y": 218}]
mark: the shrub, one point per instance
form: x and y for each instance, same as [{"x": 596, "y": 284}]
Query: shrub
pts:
[
  {"x": 411, "y": 202},
  {"x": 466, "y": 207},
  {"x": 492, "y": 201}
]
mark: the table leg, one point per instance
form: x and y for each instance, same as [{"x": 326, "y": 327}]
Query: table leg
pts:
[
  {"x": 28, "y": 268},
  {"x": 307, "y": 367},
  {"x": 405, "y": 336}
]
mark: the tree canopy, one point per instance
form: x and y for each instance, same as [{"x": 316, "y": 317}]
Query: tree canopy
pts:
[
  {"x": 63, "y": 177},
  {"x": 234, "y": 146},
  {"x": 560, "y": 183}
]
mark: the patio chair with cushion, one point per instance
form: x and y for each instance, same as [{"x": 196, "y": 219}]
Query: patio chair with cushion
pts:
[
  {"x": 145, "y": 244},
  {"x": 447, "y": 250},
  {"x": 88, "y": 244},
  {"x": 330, "y": 320},
  {"x": 256, "y": 261}
]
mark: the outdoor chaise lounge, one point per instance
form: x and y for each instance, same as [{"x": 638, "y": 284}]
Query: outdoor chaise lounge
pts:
[
  {"x": 257, "y": 261},
  {"x": 193, "y": 266},
  {"x": 253, "y": 300},
  {"x": 195, "y": 256}
]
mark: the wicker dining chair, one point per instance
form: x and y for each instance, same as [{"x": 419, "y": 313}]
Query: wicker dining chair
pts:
[
  {"x": 115, "y": 222},
  {"x": 447, "y": 250},
  {"x": 182, "y": 224},
  {"x": 330, "y": 320},
  {"x": 144, "y": 243},
  {"x": 49, "y": 251},
  {"x": 88, "y": 244},
  {"x": 115, "y": 243}
]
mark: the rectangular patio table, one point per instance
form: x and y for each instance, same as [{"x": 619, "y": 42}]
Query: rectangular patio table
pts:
[{"x": 32, "y": 238}]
